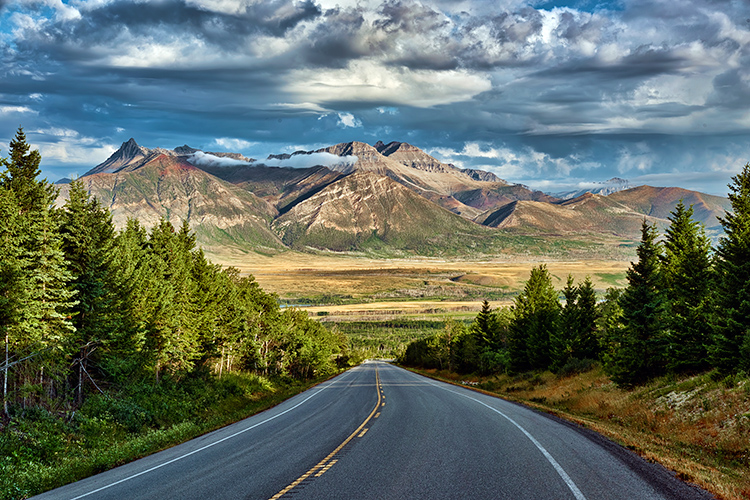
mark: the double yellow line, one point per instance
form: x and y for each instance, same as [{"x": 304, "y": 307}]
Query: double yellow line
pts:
[{"x": 325, "y": 464}]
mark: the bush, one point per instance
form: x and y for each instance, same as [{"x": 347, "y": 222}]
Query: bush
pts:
[{"x": 576, "y": 366}]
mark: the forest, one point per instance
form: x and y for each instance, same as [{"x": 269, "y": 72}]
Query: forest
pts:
[
  {"x": 119, "y": 333},
  {"x": 686, "y": 309}
]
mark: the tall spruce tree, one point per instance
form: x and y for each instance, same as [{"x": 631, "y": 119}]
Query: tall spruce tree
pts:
[
  {"x": 12, "y": 288},
  {"x": 730, "y": 350},
  {"x": 687, "y": 271},
  {"x": 536, "y": 312},
  {"x": 174, "y": 339},
  {"x": 88, "y": 239},
  {"x": 567, "y": 327},
  {"x": 640, "y": 352},
  {"x": 39, "y": 275},
  {"x": 575, "y": 337}
]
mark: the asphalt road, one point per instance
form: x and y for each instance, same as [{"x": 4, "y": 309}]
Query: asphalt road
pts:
[{"x": 381, "y": 432}]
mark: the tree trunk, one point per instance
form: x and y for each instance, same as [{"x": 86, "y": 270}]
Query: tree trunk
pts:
[
  {"x": 5, "y": 377},
  {"x": 80, "y": 376}
]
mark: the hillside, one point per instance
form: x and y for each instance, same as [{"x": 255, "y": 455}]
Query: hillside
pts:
[
  {"x": 168, "y": 186},
  {"x": 660, "y": 201},
  {"x": 620, "y": 214},
  {"x": 356, "y": 213},
  {"x": 418, "y": 171},
  {"x": 588, "y": 213},
  {"x": 393, "y": 198}
]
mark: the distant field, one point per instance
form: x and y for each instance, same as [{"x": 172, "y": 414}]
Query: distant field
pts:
[
  {"x": 383, "y": 304},
  {"x": 324, "y": 279}
]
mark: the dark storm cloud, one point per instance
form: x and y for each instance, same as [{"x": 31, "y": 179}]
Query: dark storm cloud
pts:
[
  {"x": 571, "y": 88},
  {"x": 164, "y": 20},
  {"x": 645, "y": 62}
]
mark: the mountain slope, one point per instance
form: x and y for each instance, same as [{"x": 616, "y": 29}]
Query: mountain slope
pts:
[
  {"x": 168, "y": 186},
  {"x": 365, "y": 210},
  {"x": 589, "y": 213},
  {"x": 438, "y": 182},
  {"x": 660, "y": 201},
  {"x": 620, "y": 214}
]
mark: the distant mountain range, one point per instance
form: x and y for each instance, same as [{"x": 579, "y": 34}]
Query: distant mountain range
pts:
[
  {"x": 611, "y": 186},
  {"x": 387, "y": 198}
]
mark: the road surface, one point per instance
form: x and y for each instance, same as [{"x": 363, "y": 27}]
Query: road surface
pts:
[{"x": 381, "y": 432}]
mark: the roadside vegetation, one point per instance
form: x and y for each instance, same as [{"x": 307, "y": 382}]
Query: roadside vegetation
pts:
[
  {"x": 664, "y": 360},
  {"x": 116, "y": 344},
  {"x": 695, "y": 425}
]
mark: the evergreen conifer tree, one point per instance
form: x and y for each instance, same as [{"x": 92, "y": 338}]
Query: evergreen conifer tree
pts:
[
  {"x": 39, "y": 276},
  {"x": 639, "y": 355},
  {"x": 575, "y": 337},
  {"x": 687, "y": 269},
  {"x": 88, "y": 239},
  {"x": 730, "y": 350},
  {"x": 536, "y": 312}
]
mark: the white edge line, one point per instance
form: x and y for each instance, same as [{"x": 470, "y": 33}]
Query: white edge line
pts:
[
  {"x": 564, "y": 475},
  {"x": 206, "y": 446}
]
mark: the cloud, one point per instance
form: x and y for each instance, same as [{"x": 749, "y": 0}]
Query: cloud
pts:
[
  {"x": 347, "y": 120},
  {"x": 305, "y": 160},
  {"x": 539, "y": 90},
  {"x": 510, "y": 163},
  {"x": 202, "y": 159},
  {"x": 7, "y": 110},
  {"x": 233, "y": 144}
]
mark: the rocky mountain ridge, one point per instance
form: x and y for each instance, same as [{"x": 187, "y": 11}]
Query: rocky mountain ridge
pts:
[{"x": 382, "y": 196}]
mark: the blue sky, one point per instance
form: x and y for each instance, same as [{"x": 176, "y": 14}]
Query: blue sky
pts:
[{"x": 552, "y": 94}]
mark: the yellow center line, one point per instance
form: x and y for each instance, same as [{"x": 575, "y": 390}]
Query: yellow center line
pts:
[{"x": 323, "y": 465}]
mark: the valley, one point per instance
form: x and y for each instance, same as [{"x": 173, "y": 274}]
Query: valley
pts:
[{"x": 334, "y": 282}]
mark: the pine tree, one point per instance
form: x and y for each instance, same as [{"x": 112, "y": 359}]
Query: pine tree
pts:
[
  {"x": 576, "y": 335},
  {"x": 536, "y": 312},
  {"x": 640, "y": 352},
  {"x": 687, "y": 268},
  {"x": 730, "y": 350},
  {"x": 40, "y": 278},
  {"x": 88, "y": 239},
  {"x": 174, "y": 340}
]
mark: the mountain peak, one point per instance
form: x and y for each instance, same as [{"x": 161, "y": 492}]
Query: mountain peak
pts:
[
  {"x": 129, "y": 153},
  {"x": 185, "y": 150},
  {"x": 395, "y": 147}
]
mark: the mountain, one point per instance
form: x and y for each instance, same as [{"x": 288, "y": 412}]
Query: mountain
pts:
[
  {"x": 408, "y": 165},
  {"x": 611, "y": 186},
  {"x": 589, "y": 213},
  {"x": 620, "y": 214},
  {"x": 131, "y": 157},
  {"x": 358, "y": 212},
  {"x": 660, "y": 201},
  {"x": 163, "y": 185},
  {"x": 391, "y": 199}
]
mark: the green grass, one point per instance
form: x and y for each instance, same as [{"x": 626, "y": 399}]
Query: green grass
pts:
[
  {"x": 41, "y": 449},
  {"x": 612, "y": 279},
  {"x": 388, "y": 338}
]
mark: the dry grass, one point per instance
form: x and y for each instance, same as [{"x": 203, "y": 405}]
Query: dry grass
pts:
[
  {"x": 695, "y": 426},
  {"x": 293, "y": 274}
]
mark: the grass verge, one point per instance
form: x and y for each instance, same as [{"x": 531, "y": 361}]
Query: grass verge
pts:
[
  {"x": 41, "y": 450},
  {"x": 696, "y": 426}
]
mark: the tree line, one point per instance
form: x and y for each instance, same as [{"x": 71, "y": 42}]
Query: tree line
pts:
[
  {"x": 686, "y": 309},
  {"x": 84, "y": 307}
]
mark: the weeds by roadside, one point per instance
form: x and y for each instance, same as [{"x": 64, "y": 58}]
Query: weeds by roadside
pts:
[
  {"x": 41, "y": 450},
  {"x": 697, "y": 426}
]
